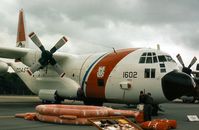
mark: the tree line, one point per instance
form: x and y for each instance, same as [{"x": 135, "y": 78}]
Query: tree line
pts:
[{"x": 11, "y": 84}]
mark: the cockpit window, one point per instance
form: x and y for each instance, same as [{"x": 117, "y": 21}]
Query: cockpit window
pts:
[
  {"x": 144, "y": 54},
  {"x": 151, "y": 57},
  {"x": 169, "y": 58},
  {"x": 148, "y": 57},
  {"x": 149, "y": 60},
  {"x": 142, "y": 60},
  {"x": 155, "y": 60},
  {"x": 149, "y": 54},
  {"x": 162, "y": 58}
]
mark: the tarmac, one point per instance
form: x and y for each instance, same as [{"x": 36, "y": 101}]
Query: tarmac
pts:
[{"x": 10, "y": 105}]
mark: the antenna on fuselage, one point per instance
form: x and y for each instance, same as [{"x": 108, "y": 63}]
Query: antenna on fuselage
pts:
[
  {"x": 114, "y": 50},
  {"x": 158, "y": 46}
]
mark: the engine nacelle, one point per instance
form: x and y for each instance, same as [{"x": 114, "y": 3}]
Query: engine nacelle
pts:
[
  {"x": 3, "y": 67},
  {"x": 47, "y": 94}
]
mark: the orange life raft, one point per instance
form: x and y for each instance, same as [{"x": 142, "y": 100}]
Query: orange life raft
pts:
[{"x": 77, "y": 114}]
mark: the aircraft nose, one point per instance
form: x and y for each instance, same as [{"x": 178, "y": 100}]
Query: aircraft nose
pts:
[{"x": 176, "y": 84}]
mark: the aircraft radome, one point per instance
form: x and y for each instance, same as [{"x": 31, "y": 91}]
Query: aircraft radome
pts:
[{"x": 116, "y": 76}]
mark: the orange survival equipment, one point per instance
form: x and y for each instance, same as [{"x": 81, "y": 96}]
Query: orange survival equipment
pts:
[
  {"x": 153, "y": 125},
  {"x": 159, "y": 124},
  {"x": 76, "y": 114},
  {"x": 171, "y": 123}
]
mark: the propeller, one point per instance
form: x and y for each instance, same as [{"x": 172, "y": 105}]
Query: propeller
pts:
[
  {"x": 47, "y": 56},
  {"x": 186, "y": 70},
  {"x": 180, "y": 60},
  {"x": 196, "y": 72}
]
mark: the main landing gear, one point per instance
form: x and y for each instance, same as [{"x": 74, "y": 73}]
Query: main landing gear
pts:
[{"x": 94, "y": 102}]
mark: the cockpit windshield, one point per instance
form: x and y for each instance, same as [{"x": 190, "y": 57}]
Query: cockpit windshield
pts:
[
  {"x": 151, "y": 57},
  {"x": 169, "y": 58},
  {"x": 148, "y": 57},
  {"x": 162, "y": 58},
  {"x": 165, "y": 58}
]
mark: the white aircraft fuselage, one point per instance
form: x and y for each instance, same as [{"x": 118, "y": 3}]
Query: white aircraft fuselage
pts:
[{"x": 113, "y": 77}]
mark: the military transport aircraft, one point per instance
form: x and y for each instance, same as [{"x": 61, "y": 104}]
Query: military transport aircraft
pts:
[{"x": 116, "y": 76}]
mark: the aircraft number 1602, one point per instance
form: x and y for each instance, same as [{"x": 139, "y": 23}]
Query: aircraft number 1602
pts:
[{"x": 130, "y": 74}]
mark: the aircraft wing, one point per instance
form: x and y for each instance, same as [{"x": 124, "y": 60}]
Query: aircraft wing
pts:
[
  {"x": 16, "y": 52},
  {"x": 13, "y": 53}
]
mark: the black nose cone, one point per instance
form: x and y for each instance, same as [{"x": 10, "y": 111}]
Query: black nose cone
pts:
[{"x": 176, "y": 84}]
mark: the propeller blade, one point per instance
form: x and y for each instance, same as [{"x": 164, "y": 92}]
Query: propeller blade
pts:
[
  {"x": 180, "y": 60},
  {"x": 195, "y": 72},
  {"x": 59, "y": 44},
  {"x": 36, "y": 40},
  {"x": 35, "y": 67},
  {"x": 192, "y": 62},
  {"x": 59, "y": 70},
  {"x": 57, "y": 67}
]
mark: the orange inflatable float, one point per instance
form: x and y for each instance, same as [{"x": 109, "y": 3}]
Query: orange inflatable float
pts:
[
  {"x": 76, "y": 114},
  {"x": 56, "y": 119},
  {"x": 159, "y": 124},
  {"x": 171, "y": 123},
  {"x": 79, "y": 111},
  {"x": 154, "y": 125},
  {"x": 27, "y": 116}
]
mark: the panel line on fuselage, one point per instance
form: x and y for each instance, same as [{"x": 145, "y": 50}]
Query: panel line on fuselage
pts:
[
  {"x": 80, "y": 72},
  {"x": 89, "y": 69}
]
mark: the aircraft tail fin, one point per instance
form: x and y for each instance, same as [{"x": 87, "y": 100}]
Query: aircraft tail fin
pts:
[{"x": 21, "y": 32}]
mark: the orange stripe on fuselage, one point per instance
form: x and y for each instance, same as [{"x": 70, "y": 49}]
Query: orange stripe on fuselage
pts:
[{"x": 109, "y": 62}]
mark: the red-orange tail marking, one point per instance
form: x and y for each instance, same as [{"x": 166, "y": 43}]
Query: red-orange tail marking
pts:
[{"x": 21, "y": 29}]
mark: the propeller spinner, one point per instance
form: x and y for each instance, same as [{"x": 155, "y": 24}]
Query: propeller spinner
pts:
[{"x": 47, "y": 56}]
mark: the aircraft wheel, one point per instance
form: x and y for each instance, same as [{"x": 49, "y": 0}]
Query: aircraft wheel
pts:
[
  {"x": 46, "y": 102},
  {"x": 51, "y": 102},
  {"x": 183, "y": 100},
  {"x": 128, "y": 104},
  {"x": 193, "y": 101},
  {"x": 155, "y": 110},
  {"x": 58, "y": 100},
  {"x": 93, "y": 102}
]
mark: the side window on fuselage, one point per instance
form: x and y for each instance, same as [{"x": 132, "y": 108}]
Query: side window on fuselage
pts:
[
  {"x": 149, "y": 73},
  {"x": 152, "y": 73},
  {"x": 100, "y": 82}
]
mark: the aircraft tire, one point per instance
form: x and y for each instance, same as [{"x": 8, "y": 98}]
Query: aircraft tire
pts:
[
  {"x": 46, "y": 102},
  {"x": 51, "y": 102},
  {"x": 193, "y": 101},
  {"x": 93, "y": 102}
]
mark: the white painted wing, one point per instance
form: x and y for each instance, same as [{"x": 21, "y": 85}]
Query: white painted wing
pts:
[
  {"x": 13, "y": 53},
  {"x": 16, "y": 52}
]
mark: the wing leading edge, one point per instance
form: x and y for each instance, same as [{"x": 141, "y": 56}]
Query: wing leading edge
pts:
[{"x": 13, "y": 53}]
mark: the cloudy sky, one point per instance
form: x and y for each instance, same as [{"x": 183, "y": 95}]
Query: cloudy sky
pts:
[{"x": 99, "y": 25}]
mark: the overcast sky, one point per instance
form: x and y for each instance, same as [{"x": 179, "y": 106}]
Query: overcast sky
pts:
[{"x": 99, "y": 25}]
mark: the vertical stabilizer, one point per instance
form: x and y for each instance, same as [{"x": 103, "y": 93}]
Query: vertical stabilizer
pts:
[{"x": 21, "y": 34}]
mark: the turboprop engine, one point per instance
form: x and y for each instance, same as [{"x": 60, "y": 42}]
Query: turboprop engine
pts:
[{"x": 3, "y": 67}]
